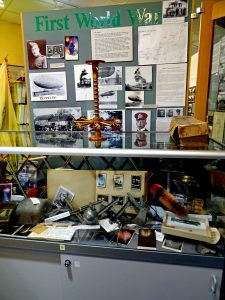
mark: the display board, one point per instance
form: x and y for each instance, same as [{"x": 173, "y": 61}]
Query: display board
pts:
[{"x": 142, "y": 82}]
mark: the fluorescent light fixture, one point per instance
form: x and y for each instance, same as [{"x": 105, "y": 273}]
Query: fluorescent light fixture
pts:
[{"x": 2, "y": 3}]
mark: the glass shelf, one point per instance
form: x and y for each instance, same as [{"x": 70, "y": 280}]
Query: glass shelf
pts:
[{"x": 126, "y": 144}]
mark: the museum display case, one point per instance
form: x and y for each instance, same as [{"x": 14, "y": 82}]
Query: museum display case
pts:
[{"x": 193, "y": 175}]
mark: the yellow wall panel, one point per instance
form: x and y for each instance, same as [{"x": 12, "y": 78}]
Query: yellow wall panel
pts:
[{"x": 11, "y": 43}]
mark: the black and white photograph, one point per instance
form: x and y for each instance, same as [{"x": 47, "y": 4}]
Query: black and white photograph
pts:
[
  {"x": 63, "y": 194},
  {"x": 141, "y": 120},
  {"x": 110, "y": 77},
  {"x": 107, "y": 99},
  {"x": 50, "y": 86},
  {"x": 54, "y": 127},
  {"x": 120, "y": 200},
  {"x": 161, "y": 112},
  {"x": 134, "y": 99},
  {"x": 55, "y": 51},
  {"x": 118, "y": 115},
  {"x": 173, "y": 244},
  {"x": 55, "y": 119},
  {"x": 101, "y": 180},
  {"x": 174, "y": 11},
  {"x": 136, "y": 182},
  {"x": 5, "y": 192},
  {"x": 83, "y": 82},
  {"x": 138, "y": 78},
  {"x": 141, "y": 140},
  {"x": 71, "y": 47},
  {"x": 36, "y": 51},
  {"x": 118, "y": 181},
  {"x": 104, "y": 198}
]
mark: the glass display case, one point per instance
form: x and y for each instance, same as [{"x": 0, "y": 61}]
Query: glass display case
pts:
[{"x": 194, "y": 176}]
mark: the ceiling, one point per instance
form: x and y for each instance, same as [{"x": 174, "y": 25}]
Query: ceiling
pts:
[{"x": 13, "y": 8}]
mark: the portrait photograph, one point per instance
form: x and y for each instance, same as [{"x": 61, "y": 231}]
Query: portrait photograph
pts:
[
  {"x": 101, "y": 180},
  {"x": 140, "y": 140},
  {"x": 49, "y": 86},
  {"x": 118, "y": 181},
  {"x": 138, "y": 78},
  {"x": 71, "y": 47},
  {"x": 36, "y": 51},
  {"x": 136, "y": 182},
  {"x": 5, "y": 192},
  {"x": 141, "y": 120},
  {"x": 62, "y": 196}
]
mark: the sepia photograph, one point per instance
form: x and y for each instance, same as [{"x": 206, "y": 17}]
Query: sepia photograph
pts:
[
  {"x": 63, "y": 195},
  {"x": 104, "y": 198},
  {"x": 50, "y": 86},
  {"x": 37, "y": 54},
  {"x": 138, "y": 78},
  {"x": 140, "y": 140},
  {"x": 55, "y": 51},
  {"x": 71, "y": 47}
]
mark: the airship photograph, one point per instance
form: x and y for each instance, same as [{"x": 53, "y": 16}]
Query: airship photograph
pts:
[
  {"x": 110, "y": 76},
  {"x": 134, "y": 99},
  {"x": 48, "y": 86}
]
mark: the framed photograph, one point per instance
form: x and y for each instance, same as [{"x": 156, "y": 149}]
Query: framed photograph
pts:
[
  {"x": 173, "y": 244},
  {"x": 5, "y": 192},
  {"x": 118, "y": 181},
  {"x": 101, "y": 180},
  {"x": 136, "y": 182},
  {"x": 120, "y": 200},
  {"x": 103, "y": 198},
  {"x": 63, "y": 197},
  {"x": 123, "y": 237}
]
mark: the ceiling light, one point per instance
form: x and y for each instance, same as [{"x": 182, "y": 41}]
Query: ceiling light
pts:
[{"x": 2, "y": 3}]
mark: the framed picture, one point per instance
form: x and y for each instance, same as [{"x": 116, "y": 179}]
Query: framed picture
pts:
[
  {"x": 103, "y": 198},
  {"x": 173, "y": 244},
  {"x": 5, "y": 192},
  {"x": 63, "y": 197},
  {"x": 120, "y": 200},
  {"x": 101, "y": 180},
  {"x": 135, "y": 182},
  {"x": 118, "y": 181}
]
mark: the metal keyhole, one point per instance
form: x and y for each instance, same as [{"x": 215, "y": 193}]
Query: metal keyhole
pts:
[{"x": 67, "y": 263}]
